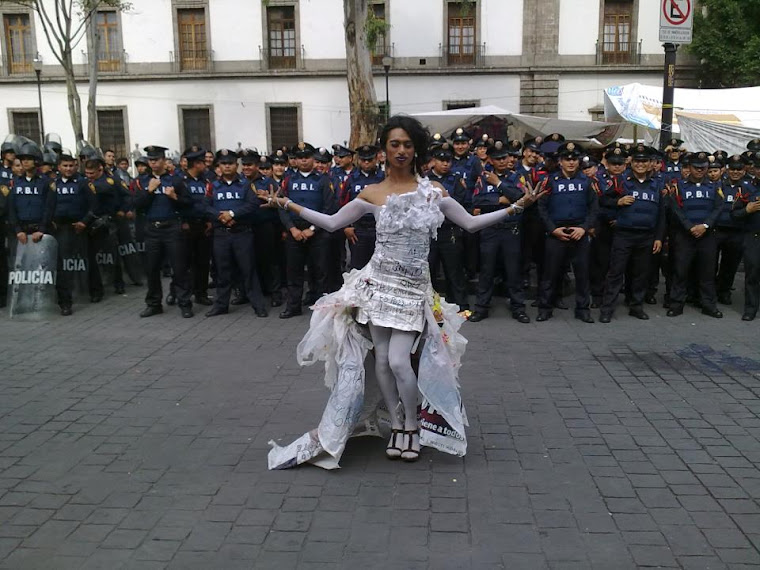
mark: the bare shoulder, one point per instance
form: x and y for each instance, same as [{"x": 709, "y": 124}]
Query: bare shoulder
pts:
[
  {"x": 440, "y": 187},
  {"x": 374, "y": 194}
]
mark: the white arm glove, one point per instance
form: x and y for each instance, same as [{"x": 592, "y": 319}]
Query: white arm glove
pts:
[
  {"x": 347, "y": 215},
  {"x": 454, "y": 211}
]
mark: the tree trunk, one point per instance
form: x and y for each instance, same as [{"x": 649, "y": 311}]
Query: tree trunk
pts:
[
  {"x": 361, "y": 88},
  {"x": 92, "y": 61},
  {"x": 72, "y": 97}
]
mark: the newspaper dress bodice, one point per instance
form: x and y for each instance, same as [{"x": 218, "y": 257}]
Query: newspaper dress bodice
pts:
[{"x": 393, "y": 287}]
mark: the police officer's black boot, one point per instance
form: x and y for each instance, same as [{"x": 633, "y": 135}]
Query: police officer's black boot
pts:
[
  {"x": 521, "y": 316},
  {"x": 239, "y": 298},
  {"x": 639, "y": 313},
  {"x": 584, "y": 315},
  {"x": 203, "y": 300},
  {"x": 605, "y": 317},
  {"x": 478, "y": 316},
  {"x": 151, "y": 310},
  {"x": 171, "y": 299},
  {"x": 66, "y": 310}
]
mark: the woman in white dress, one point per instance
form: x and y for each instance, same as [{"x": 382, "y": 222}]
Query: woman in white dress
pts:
[{"x": 392, "y": 296}]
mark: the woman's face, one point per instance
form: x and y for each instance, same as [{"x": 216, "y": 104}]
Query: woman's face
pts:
[{"x": 400, "y": 149}]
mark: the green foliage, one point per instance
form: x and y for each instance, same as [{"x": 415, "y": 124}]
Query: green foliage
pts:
[
  {"x": 374, "y": 28},
  {"x": 727, "y": 41}
]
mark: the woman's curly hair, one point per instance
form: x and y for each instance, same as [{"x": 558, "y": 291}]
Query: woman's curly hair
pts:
[{"x": 416, "y": 131}]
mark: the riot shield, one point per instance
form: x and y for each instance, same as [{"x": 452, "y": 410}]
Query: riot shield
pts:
[
  {"x": 31, "y": 279},
  {"x": 74, "y": 267},
  {"x": 128, "y": 250},
  {"x": 106, "y": 255}
]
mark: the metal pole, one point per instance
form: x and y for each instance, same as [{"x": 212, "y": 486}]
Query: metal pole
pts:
[
  {"x": 387, "y": 99},
  {"x": 39, "y": 97},
  {"x": 668, "y": 92}
]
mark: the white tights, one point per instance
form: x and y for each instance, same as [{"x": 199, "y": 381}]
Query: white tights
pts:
[{"x": 395, "y": 375}]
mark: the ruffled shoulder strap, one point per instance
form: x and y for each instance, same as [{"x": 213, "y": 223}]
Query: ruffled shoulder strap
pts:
[{"x": 426, "y": 188}]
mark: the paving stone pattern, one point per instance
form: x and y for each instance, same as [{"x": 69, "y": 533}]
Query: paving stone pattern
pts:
[{"x": 141, "y": 443}]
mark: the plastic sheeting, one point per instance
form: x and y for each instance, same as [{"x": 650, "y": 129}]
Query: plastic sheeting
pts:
[{"x": 703, "y": 134}]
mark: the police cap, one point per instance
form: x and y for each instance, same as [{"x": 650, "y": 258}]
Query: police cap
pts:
[
  {"x": 556, "y": 137},
  {"x": 303, "y": 150},
  {"x": 616, "y": 156},
  {"x": 367, "y": 151},
  {"x": 460, "y": 135},
  {"x": 279, "y": 157},
  {"x": 265, "y": 162},
  {"x": 737, "y": 162},
  {"x": 534, "y": 144},
  {"x": 754, "y": 145},
  {"x": 715, "y": 162},
  {"x": 249, "y": 156},
  {"x": 323, "y": 155},
  {"x": 482, "y": 142},
  {"x": 342, "y": 151},
  {"x": 675, "y": 143},
  {"x": 722, "y": 154},
  {"x": 141, "y": 160},
  {"x": 498, "y": 149},
  {"x": 641, "y": 152},
  {"x": 569, "y": 150},
  {"x": 194, "y": 153},
  {"x": 442, "y": 151},
  {"x": 154, "y": 152},
  {"x": 699, "y": 160},
  {"x": 226, "y": 156},
  {"x": 588, "y": 162},
  {"x": 515, "y": 148}
]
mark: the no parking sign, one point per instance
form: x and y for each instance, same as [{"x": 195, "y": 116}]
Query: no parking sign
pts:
[{"x": 676, "y": 21}]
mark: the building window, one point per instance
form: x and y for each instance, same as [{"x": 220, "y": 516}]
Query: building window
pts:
[
  {"x": 196, "y": 127},
  {"x": 26, "y": 124},
  {"x": 281, "y": 30},
  {"x": 461, "y": 34},
  {"x": 283, "y": 126},
  {"x": 111, "y": 132},
  {"x": 380, "y": 49},
  {"x": 193, "y": 43},
  {"x": 451, "y": 105},
  {"x": 19, "y": 48},
  {"x": 109, "y": 41},
  {"x": 617, "y": 44}
]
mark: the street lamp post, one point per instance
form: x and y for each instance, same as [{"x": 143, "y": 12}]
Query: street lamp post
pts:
[
  {"x": 387, "y": 61},
  {"x": 38, "y": 72}
]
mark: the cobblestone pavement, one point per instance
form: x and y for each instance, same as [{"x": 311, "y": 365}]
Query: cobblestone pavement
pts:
[{"x": 129, "y": 443}]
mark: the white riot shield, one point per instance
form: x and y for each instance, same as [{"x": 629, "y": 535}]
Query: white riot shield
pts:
[
  {"x": 129, "y": 252},
  {"x": 31, "y": 279}
]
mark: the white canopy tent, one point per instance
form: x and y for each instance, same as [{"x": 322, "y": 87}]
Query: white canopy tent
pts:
[
  {"x": 706, "y": 119},
  {"x": 445, "y": 122}
]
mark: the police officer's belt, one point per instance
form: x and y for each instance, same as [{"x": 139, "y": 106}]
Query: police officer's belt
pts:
[
  {"x": 237, "y": 229},
  {"x": 161, "y": 224},
  {"x": 28, "y": 228},
  {"x": 363, "y": 224}
]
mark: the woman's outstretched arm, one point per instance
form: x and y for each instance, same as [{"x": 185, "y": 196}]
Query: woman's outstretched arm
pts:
[
  {"x": 454, "y": 211},
  {"x": 347, "y": 215}
]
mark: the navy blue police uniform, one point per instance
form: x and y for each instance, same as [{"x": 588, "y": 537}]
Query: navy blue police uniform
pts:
[
  {"x": 234, "y": 241},
  {"x": 448, "y": 248},
  {"x": 74, "y": 203},
  {"x": 314, "y": 191},
  {"x": 638, "y": 226},
  {"x": 751, "y": 227},
  {"x": 500, "y": 242},
  {"x": 197, "y": 229},
  {"x": 163, "y": 235},
  {"x": 469, "y": 167},
  {"x": 570, "y": 202},
  {"x": 694, "y": 203},
  {"x": 729, "y": 235},
  {"x": 364, "y": 227}
]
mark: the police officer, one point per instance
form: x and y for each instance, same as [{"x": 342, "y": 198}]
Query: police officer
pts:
[
  {"x": 266, "y": 227},
  {"x": 233, "y": 207},
  {"x": 323, "y": 161},
  {"x": 746, "y": 209},
  {"x": 112, "y": 200},
  {"x": 343, "y": 157},
  {"x": 75, "y": 201},
  {"x": 674, "y": 153},
  {"x": 533, "y": 231},
  {"x": 501, "y": 241},
  {"x": 195, "y": 225},
  {"x": 568, "y": 212},
  {"x": 163, "y": 197},
  {"x": 695, "y": 206},
  {"x": 638, "y": 233},
  {"x": 448, "y": 248},
  {"x": 8, "y": 154},
  {"x": 31, "y": 202},
  {"x": 361, "y": 235},
  {"x": 601, "y": 240},
  {"x": 469, "y": 167},
  {"x": 305, "y": 243}
]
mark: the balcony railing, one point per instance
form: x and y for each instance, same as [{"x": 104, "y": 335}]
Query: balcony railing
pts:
[
  {"x": 381, "y": 51},
  {"x": 192, "y": 61},
  {"x": 462, "y": 55},
  {"x": 108, "y": 62},
  {"x": 17, "y": 65},
  {"x": 618, "y": 54},
  {"x": 269, "y": 59}
]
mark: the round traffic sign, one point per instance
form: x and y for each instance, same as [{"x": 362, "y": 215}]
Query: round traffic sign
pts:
[{"x": 674, "y": 13}]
